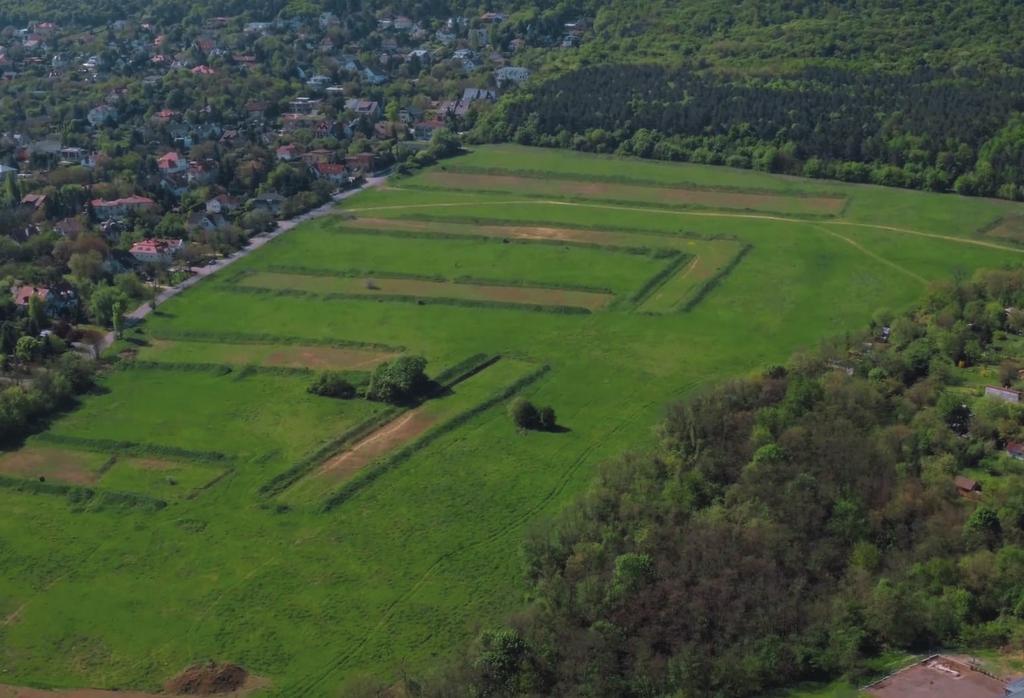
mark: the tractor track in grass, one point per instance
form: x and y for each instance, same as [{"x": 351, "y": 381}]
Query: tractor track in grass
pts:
[
  {"x": 699, "y": 214},
  {"x": 875, "y": 256}
]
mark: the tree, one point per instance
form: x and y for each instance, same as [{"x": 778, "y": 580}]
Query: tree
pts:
[
  {"x": 102, "y": 303},
  {"x": 524, "y": 414},
  {"x": 37, "y": 320},
  {"x": 86, "y": 266},
  {"x": 398, "y": 381},
  {"x": 118, "y": 319},
  {"x": 27, "y": 349},
  {"x": 547, "y": 418},
  {"x": 1008, "y": 373}
]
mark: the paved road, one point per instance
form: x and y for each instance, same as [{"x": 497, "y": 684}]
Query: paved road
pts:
[{"x": 254, "y": 244}]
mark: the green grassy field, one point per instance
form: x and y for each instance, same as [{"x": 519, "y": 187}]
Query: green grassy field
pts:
[{"x": 425, "y": 555}]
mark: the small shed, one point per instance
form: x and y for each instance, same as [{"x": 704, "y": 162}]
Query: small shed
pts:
[{"x": 966, "y": 486}]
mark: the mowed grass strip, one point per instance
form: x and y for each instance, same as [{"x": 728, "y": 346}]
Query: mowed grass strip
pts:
[
  {"x": 404, "y": 429},
  {"x": 269, "y": 355},
  {"x": 384, "y": 287},
  {"x": 712, "y": 257},
  {"x": 639, "y": 193}
]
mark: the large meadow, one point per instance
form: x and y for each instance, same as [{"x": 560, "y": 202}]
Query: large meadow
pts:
[{"x": 216, "y": 509}]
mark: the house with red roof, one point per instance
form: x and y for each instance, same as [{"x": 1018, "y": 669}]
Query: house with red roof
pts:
[
  {"x": 105, "y": 209},
  {"x": 332, "y": 172},
  {"x": 156, "y": 250},
  {"x": 171, "y": 163}
]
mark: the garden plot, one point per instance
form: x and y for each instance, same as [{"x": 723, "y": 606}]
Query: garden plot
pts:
[{"x": 270, "y": 355}]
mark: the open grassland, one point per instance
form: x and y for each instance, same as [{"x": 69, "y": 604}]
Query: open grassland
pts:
[{"x": 423, "y": 553}]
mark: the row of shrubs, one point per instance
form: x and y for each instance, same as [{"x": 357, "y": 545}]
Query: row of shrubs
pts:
[
  {"x": 82, "y": 496},
  {"x": 131, "y": 448},
  {"x": 658, "y": 280}
]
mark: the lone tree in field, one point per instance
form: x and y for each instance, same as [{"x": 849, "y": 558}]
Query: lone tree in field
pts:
[
  {"x": 524, "y": 414},
  {"x": 332, "y": 384},
  {"x": 398, "y": 381}
]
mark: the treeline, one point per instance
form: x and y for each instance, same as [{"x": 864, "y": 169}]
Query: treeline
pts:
[
  {"x": 50, "y": 389},
  {"x": 925, "y": 129},
  {"x": 788, "y": 526}
]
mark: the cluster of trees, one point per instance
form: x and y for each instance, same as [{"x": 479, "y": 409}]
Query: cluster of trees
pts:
[
  {"x": 528, "y": 416},
  {"x": 787, "y": 526},
  {"x": 50, "y": 389},
  {"x": 922, "y": 129},
  {"x": 399, "y": 381}
]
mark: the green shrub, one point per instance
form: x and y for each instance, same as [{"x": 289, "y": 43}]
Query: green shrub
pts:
[
  {"x": 332, "y": 384},
  {"x": 524, "y": 414}
]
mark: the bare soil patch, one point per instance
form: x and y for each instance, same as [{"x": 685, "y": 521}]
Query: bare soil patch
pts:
[
  {"x": 829, "y": 205},
  {"x": 399, "y": 431},
  {"x": 249, "y": 683},
  {"x": 328, "y": 358},
  {"x": 50, "y": 463},
  {"x": 208, "y": 678},
  {"x": 1009, "y": 228}
]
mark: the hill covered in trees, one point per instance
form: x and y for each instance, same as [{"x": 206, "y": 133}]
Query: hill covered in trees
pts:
[
  {"x": 791, "y": 525},
  {"x": 914, "y": 94}
]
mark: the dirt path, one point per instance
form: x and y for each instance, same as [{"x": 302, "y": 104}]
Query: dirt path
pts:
[
  {"x": 7, "y": 691},
  {"x": 398, "y": 431},
  {"x": 255, "y": 243}
]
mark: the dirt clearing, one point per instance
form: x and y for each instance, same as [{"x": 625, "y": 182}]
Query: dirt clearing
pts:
[
  {"x": 71, "y": 467},
  {"x": 418, "y": 288},
  {"x": 1009, "y": 228},
  {"x": 198, "y": 680},
  {"x": 613, "y": 191},
  {"x": 399, "y": 431}
]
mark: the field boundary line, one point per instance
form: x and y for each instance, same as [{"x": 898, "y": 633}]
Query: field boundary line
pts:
[
  {"x": 138, "y": 449},
  {"x": 414, "y": 300},
  {"x": 456, "y": 167}
]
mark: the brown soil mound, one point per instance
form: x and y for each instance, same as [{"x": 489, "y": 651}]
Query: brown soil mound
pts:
[{"x": 208, "y": 678}]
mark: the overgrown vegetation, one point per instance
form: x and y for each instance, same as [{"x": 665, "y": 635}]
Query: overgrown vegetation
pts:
[{"x": 790, "y": 525}]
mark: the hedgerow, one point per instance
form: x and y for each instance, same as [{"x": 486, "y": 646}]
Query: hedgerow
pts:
[
  {"x": 711, "y": 283},
  {"x": 131, "y": 448},
  {"x": 260, "y": 338},
  {"x": 84, "y": 496},
  {"x": 655, "y": 282}
]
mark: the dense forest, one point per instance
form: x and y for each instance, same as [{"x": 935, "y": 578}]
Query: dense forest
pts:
[
  {"x": 790, "y": 525},
  {"x": 914, "y": 94}
]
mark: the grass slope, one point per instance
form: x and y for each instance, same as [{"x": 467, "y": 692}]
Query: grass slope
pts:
[{"x": 424, "y": 556}]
